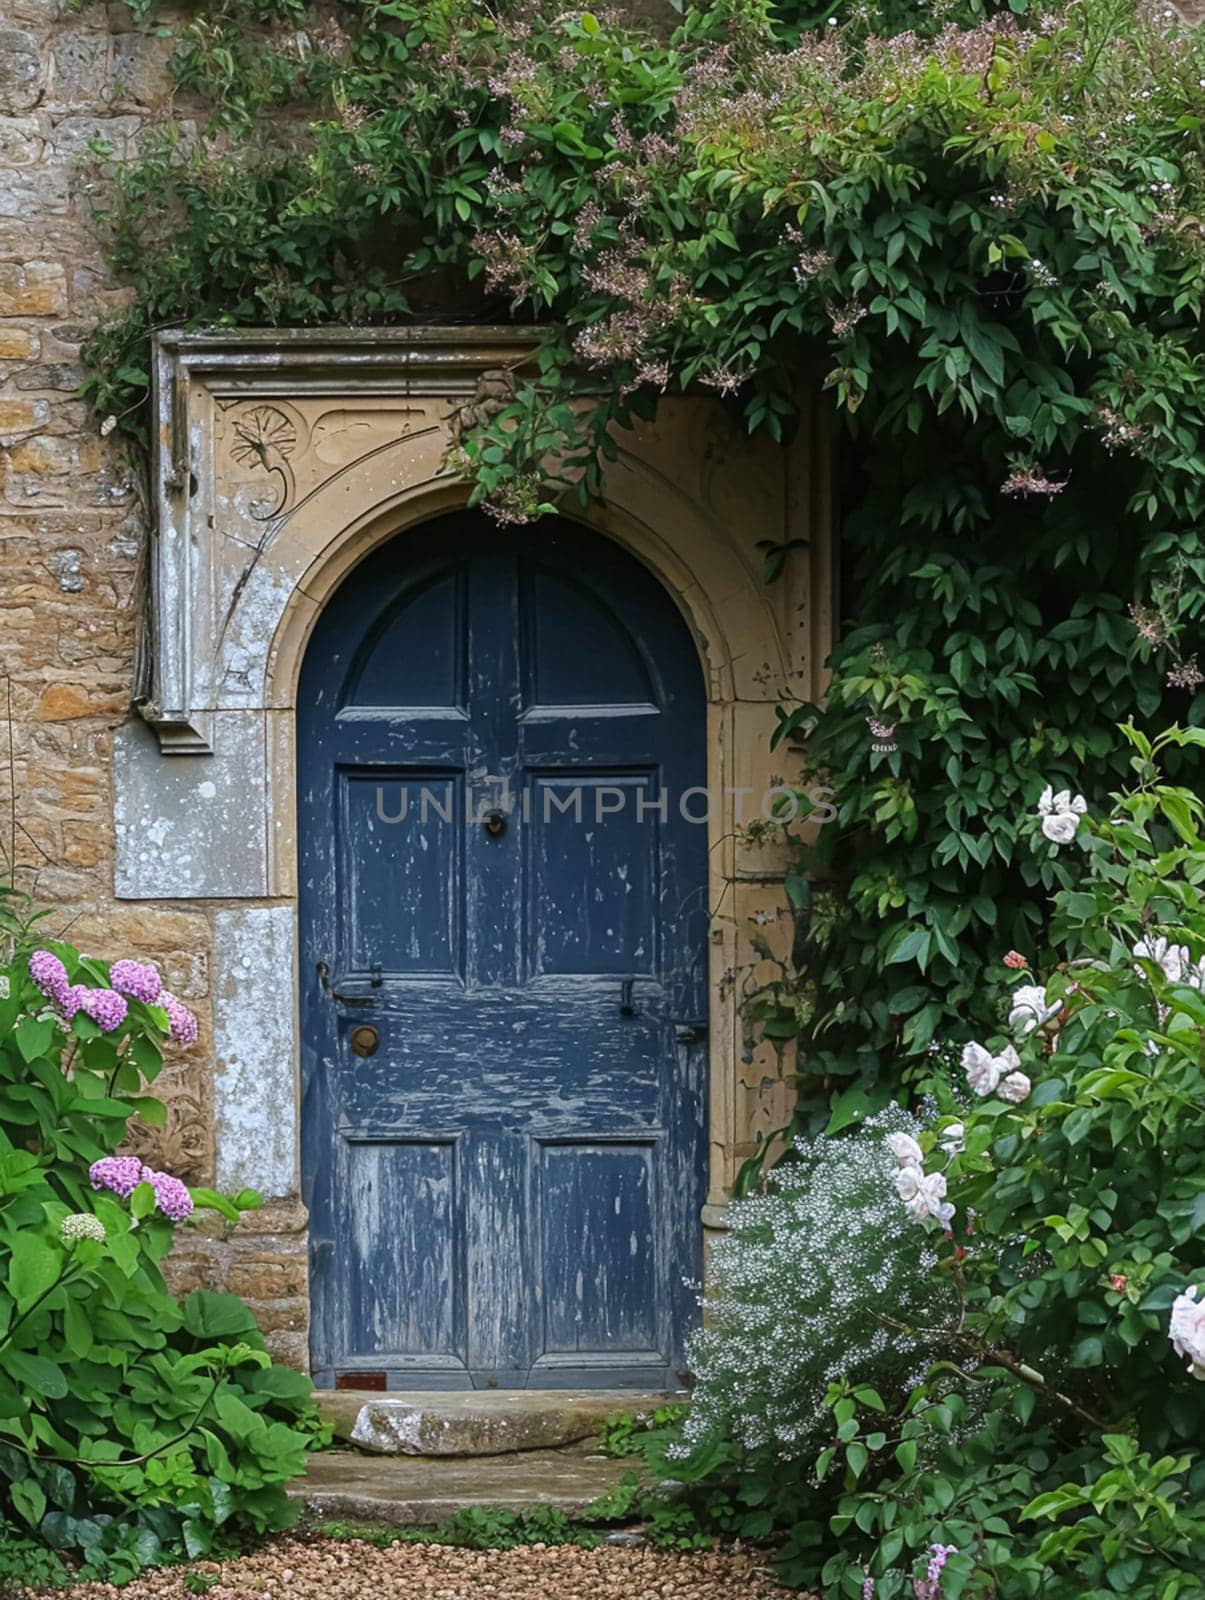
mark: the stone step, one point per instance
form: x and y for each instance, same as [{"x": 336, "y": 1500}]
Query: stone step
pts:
[
  {"x": 418, "y": 1491},
  {"x": 477, "y": 1422}
]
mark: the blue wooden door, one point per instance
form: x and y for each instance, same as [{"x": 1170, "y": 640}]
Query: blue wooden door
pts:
[{"x": 504, "y": 851}]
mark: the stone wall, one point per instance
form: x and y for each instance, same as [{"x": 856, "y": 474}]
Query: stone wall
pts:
[{"x": 73, "y": 528}]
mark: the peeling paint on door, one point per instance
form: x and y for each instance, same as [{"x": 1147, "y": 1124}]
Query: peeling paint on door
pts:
[{"x": 507, "y": 1191}]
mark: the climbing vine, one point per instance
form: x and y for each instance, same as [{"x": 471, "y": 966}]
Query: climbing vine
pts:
[{"x": 979, "y": 230}]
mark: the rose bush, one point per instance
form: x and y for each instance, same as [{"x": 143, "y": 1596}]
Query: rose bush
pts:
[
  {"x": 1052, "y": 1442},
  {"x": 133, "y": 1427}
]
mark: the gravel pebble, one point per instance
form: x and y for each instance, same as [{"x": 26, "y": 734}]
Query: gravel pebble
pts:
[{"x": 348, "y": 1569}]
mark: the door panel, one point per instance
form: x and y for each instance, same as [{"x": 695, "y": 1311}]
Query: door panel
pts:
[{"x": 508, "y": 1189}]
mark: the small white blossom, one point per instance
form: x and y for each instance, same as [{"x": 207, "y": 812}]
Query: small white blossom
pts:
[
  {"x": 81, "y": 1225},
  {"x": 905, "y": 1150},
  {"x": 1014, "y": 1088},
  {"x": 953, "y": 1139},
  {"x": 924, "y": 1195},
  {"x": 1186, "y": 1330},
  {"x": 1060, "y": 814},
  {"x": 1031, "y": 1008}
]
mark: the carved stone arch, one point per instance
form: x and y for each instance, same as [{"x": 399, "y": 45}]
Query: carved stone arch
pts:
[{"x": 282, "y": 461}]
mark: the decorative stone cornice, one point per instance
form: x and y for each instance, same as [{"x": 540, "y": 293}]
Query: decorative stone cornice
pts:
[{"x": 236, "y": 484}]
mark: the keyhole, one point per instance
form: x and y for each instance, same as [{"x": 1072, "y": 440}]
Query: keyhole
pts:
[{"x": 495, "y": 824}]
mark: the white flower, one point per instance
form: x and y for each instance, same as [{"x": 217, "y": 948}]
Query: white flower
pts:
[
  {"x": 1173, "y": 960},
  {"x": 1014, "y": 1088},
  {"x": 981, "y": 1068},
  {"x": 1060, "y": 813},
  {"x": 1186, "y": 1330},
  {"x": 905, "y": 1150},
  {"x": 924, "y": 1195},
  {"x": 81, "y": 1225},
  {"x": 953, "y": 1139},
  {"x": 1031, "y": 1009}
]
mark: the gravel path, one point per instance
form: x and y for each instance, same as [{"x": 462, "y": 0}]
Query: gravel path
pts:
[{"x": 328, "y": 1569}]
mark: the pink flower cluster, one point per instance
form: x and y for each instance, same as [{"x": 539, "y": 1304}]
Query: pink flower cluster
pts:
[
  {"x": 108, "y": 1008},
  {"x": 121, "y": 1175}
]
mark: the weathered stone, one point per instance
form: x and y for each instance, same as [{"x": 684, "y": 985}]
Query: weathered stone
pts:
[
  {"x": 22, "y": 416},
  {"x": 20, "y": 70},
  {"x": 57, "y": 375},
  {"x": 268, "y": 1277},
  {"x": 416, "y": 1493},
  {"x": 140, "y": 73},
  {"x": 254, "y": 1091},
  {"x": 192, "y": 827},
  {"x": 24, "y": 192},
  {"x": 37, "y": 289},
  {"x": 80, "y": 68},
  {"x": 76, "y": 136},
  {"x": 62, "y": 701},
  {"x": 18, "y": 344},
  {"x": 21, "y": 141},
  {"x": 281, "y": 1316},
  {"x": 290, "y": 1349},
  {"x": 476, "y": 1422}
]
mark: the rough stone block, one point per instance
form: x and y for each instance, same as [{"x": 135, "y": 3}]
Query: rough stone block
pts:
[
  {"x": 20, "y": 70},
  {"x": 21, "y": 141},
  {"x": 268, "y": 1277},
  {"x": 22, "y": 416},
  {"x": 80, "y": 68},
  {"x": 18, "y": 344},
  {"x": 36, "y": 289},
  {"x": 30, "y": 192}
]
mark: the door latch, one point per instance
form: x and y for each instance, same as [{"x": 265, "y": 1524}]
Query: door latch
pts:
[{"x": 324, "y": 978}]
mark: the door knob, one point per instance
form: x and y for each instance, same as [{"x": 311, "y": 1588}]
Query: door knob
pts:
[
  {"x": 494, "y": 823},
  {"x": 364, "y": 1041}
]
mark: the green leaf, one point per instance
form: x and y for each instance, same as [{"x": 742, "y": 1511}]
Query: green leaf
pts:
[
  {"x": 33, "y": 1037},
  {"x": 33, "y": 1270},
  {"x": 29, "y": 1499}
]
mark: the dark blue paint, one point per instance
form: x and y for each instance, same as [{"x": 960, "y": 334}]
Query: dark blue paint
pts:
[{"x": 509, "y": 1190}]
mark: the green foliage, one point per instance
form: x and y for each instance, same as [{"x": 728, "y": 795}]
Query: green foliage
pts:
[
  {"x": 133, "y": 1427},
  {"x": 1057, "y": 1441},
  {"x": 26, "y": 1563},
  {"x": 981, "y": 237},
  {"x": 620, "y": 1435}
]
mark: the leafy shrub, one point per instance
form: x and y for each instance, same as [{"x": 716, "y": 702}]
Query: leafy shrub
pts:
[
  {"x": 795, "y": 1286},
  {"x": 1056, "y": 1447},
  {"x": 132, "y": 1427}
]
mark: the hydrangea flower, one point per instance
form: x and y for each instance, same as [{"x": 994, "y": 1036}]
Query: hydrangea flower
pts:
[
  {"x": 1031, "y": 1008},
  {"x": 50, "y": 975},
  {"x": 1186, "y": 1330},
  {"x": 181, "y": 1024},
  {"x": 1060, "y": 814},
  {"x": 81, "y": 1225},
  {"x": 171, "y": 1196},
  {"x": 106, "y": 1008},
  {"x": 137, "y": 979},
  {"x": 924, "y": 1195},
  {"x": 119, "y": 1174}
]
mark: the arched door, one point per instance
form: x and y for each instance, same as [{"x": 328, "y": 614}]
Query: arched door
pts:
[{"x": 503, "y": 847}]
